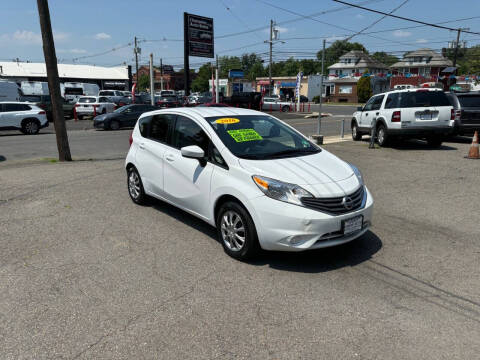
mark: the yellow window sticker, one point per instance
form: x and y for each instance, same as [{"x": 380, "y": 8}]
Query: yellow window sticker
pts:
[
  {"x": 227, "y": 121},
  {"x": 242, "y": 135}
]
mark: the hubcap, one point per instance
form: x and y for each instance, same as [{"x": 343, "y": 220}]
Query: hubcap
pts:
[
  {"x": 233, "y": 230},
  {"x": 31, "y": 127},
  {"x": 134, "y": 185},
  {"x": 381, "y": 136},
  {"x": 114, "y": 125},
  {"x": 354, "y": 131}
]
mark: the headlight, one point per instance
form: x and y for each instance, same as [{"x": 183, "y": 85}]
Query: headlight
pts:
[
  {"x": 279, "y": 190},
  {"x": 358, "y": 174}
]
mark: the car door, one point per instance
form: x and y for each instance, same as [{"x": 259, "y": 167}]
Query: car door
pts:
[
  {"x": 376, "y": 105},
  {"x": 186, "y": 181},
  {"x": 11, "y": 115},
  {"x": 367, "y": 114},
  {"x": 155, "y": 134}
]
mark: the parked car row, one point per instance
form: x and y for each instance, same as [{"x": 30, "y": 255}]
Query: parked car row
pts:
[{"x": 428, "y": 114}]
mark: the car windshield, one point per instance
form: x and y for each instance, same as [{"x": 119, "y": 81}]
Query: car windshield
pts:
[
  {"x": 260, "y": 137},
  {"x": 122, "y": 109},
  {"x": 87, "y": 100}
]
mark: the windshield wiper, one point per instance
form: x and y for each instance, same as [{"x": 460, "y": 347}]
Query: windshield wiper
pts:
[{"x": 292, "y": 152}]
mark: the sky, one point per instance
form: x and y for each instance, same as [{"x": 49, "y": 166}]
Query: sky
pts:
[{"x": 83, "y": 29}]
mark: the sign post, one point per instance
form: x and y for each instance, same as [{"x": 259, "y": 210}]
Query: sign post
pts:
[{"x": 198, "y": 41}]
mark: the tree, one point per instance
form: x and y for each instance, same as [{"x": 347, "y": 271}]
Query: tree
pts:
[
  {"x": 257, "y": 70},
  {"x": 364, "y": 89},
  {"x": 337, "y": 49},
  {"x": 228, "y": 63},
  {"x": 201, "y": 81},
  {"x": 143, "y": 82},
  {"x": 385, "y": 58}
]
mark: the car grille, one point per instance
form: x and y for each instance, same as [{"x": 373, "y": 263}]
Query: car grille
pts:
[{"x": 335, "y": 205}]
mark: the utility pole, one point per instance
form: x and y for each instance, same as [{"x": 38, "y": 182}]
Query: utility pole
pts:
[
  {"x": 270, "y": 62},
  {"x": 186, "y": 52},
  {"x": 53, "y": 81},
  {"x": 319, "y": 125},
  {"x": 217, "y": 95},
  {"x": 457, "y": 45},
  {"x": 136, "y": 58},
  {"x": 161, "y": 74},
  {"x": 152, "y": 84}
]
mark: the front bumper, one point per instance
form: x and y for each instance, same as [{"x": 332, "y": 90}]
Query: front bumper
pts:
[{"x": 287, "y": 227}]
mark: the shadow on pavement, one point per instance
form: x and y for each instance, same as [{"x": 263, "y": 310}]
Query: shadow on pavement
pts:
[
  {"x": 322, "y": 260},
  {"x": 312, "y": 261},
  {"x": 412, "y": 144}
]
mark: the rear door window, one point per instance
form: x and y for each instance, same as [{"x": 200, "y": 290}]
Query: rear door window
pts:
[
  {"x": 470, "y": 101},
  {"x": 160, "y": 126},
  {"x": 17, "y": 107}
]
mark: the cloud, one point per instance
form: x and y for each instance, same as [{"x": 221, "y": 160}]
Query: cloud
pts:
[
  {"x": 60, "y": 36},
  {"x": 72, "y": 51},
  {"x": 102, "y": 36},
  {"x": 422, "y": 41},
  {"x": 401, "y": 33},
  {"x": 359, "y": 16},
  {"x": 25, "y": 36},
  {"x": 335, "y": 38}
]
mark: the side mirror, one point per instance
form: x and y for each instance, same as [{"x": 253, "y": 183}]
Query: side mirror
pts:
[
  {"x": 194, "y": 152},
  {"x": 360, "y": 108}
]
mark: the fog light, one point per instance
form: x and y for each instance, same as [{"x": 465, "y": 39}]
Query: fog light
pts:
[{"x": 298, "y": 239}]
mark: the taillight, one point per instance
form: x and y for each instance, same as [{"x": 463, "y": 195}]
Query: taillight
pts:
[
  {"x": 458, "y": 114},
  {"x": 130, "y": 140},
  {"x": 396, "y": 116},
  {"x": 452, "y": 114},
  {"x": 41, "y": 113}
]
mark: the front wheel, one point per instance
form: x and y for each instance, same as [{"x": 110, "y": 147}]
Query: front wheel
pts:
[
  {"x": 382, "y": 137},
  {"x": 356, "y": 136},
  {"x": 114, "y": 125},
  {"x": 237, "y": 232},
  {"x": 285, "y": 108}
]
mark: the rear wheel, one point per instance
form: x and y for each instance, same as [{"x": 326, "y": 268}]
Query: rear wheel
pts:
[
  {"x": 356, "y": 136},
  {"x": 285, "y": 108},
  {"x": 30, "y": 127},
  {"x": 237, "y": 232},
  {"x": 382, "y": 137},
  {"x": 135, "y": 187},
  {"x": 434, "y": 141}
]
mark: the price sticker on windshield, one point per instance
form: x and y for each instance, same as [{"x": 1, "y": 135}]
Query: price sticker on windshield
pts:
[
  {"x": 227, "y": 121},
  {"x": 242, "y": 135}
]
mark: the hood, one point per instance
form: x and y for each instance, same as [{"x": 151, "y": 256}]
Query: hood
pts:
[{"x": 320, "y": 168}]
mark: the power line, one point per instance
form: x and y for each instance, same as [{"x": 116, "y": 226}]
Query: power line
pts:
[
  {"x": 376, "y": 21},
  {"x": 404, "y": 18}
]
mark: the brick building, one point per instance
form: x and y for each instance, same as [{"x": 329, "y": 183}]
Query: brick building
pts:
[{"x": 171, "y": 81}]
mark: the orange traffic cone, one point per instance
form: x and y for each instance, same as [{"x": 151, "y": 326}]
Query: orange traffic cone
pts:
[{"x": 473, "y": 153}]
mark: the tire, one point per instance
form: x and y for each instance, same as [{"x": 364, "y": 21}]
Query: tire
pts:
[
  {"x": 135, "y": 187},
  {"x": 230, "y": 219},
  {"x": 356, "y": 136},
  {"x": 114, "y": 125},
  {"x": 30, "y": 126},
  {"x": 285, "y": 108},
  {"x": 80, "y": 117},
  {"x": 104, "y": 111},
  {"x": 382, "y": 136},
  {"x": 434, "y": 141}
]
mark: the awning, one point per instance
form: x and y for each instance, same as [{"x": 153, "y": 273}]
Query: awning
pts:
[{"x": 450, "y": 69}]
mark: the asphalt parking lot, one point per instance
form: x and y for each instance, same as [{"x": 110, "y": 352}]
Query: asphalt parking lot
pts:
[{"x": 87, "y": 274}]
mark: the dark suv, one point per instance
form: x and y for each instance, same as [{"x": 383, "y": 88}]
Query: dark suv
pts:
[
  {"x": 467, "y": 111},
  {"x": 45, "y": 102}
]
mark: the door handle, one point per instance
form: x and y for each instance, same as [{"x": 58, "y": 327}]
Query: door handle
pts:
[
  {"x": 142, "y": 146},
  {"x": 169, "y": 157}
]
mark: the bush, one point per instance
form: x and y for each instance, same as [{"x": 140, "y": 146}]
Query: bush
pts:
[
  {"x": 364, "y": 89},
  {"x": 316, "y": 99}
]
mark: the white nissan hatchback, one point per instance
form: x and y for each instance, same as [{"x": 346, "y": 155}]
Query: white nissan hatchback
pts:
[{"x": 261, "y": 183}]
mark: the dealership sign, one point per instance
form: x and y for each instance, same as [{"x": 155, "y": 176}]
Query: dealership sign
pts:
[
  {"x": 200, "y": 36},
  {"x": 235, "y": 74}
]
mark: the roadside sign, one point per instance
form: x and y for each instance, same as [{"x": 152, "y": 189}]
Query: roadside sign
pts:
[
  {"x": 200, "y": 36},
  {"x": 235, "y": 73},
  {"x": 167, "y": 69}
]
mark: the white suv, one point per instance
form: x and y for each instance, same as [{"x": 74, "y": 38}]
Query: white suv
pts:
[
  {"x": 28, "y": 118},
  {"x": 94, "y": 105},
  {"x": 411, "y": 113},
  {"x": 259, "y": 181}
]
